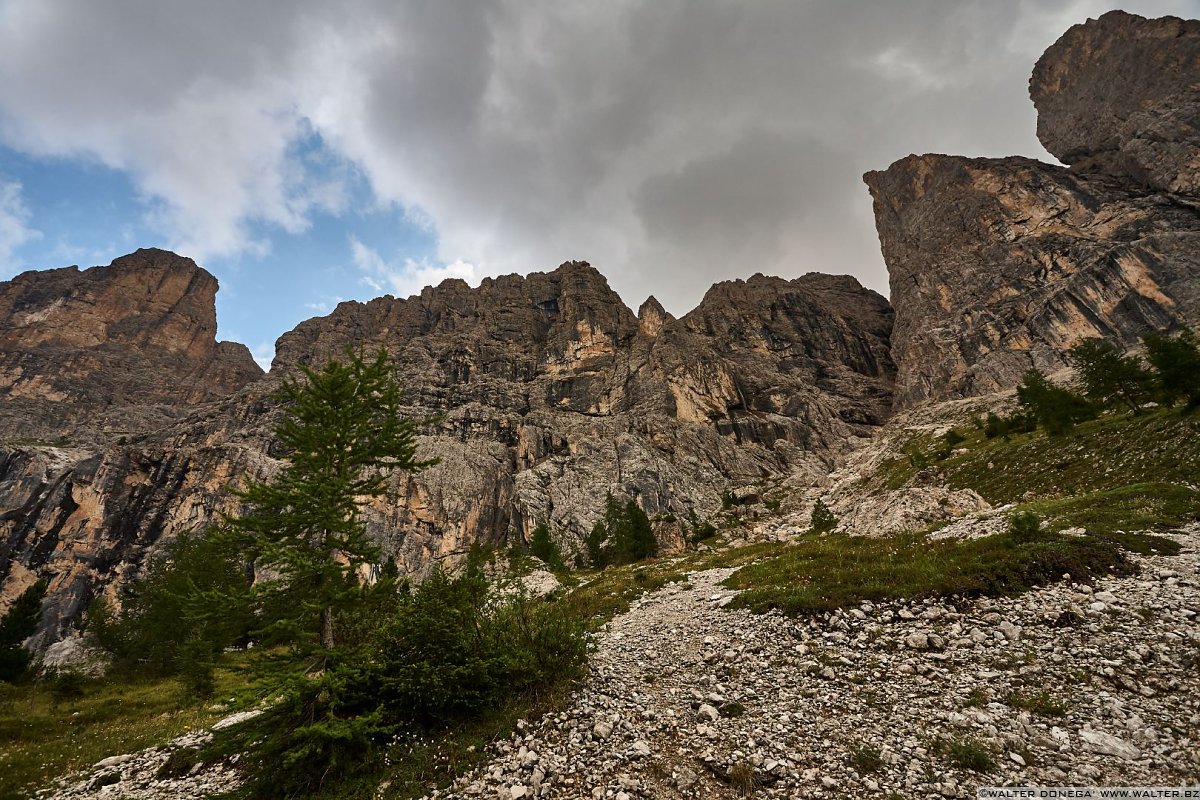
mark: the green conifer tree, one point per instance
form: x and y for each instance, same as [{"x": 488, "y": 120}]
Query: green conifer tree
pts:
[
  {"x": 18, "y": 624},
  {"x": 543, "y": 546},
  {"x": 635, "y": 539},
  {"x": 190, "y": 603},
  {"x": 1176, "y": 362},
  {"x": 621, "y": 536},
  {"x": 823, "y": 519},
  {"x": 1055, "y": 409},
  {"x": 343, "y": 434},
  {"x": 1110, "y": 378}
]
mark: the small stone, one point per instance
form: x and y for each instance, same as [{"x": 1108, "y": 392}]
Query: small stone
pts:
[
  {"x": 1016, "y": 758},
  {"x": 1109, "y": 745},
  {"x": 917, "y": 641},
  {"x": 684, "y": 779},
  {"x": 708, "y": 712}
]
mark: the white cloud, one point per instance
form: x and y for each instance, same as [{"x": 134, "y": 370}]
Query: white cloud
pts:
[
  {"x": 14, "y": 223},
  {"x": 408, "y": 277},
  {"x": 670, "y": 143},
  {"x": 263, "y": 353}
]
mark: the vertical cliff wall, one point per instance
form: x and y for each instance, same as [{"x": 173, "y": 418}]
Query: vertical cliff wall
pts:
[{"x": 997, "y": 265}]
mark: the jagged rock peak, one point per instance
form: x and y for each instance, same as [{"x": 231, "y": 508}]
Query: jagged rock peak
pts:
[
  {"x": 538, "y": 306},
  {"x": 820, "y": 302},
  {"x": 652, "y": 316},
  {"x": 1119, "y": 95},
  {"x": 81, "y": 350}
]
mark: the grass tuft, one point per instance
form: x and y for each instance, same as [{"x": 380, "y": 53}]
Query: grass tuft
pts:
[
  {"x": 866, "y": 759},
  {"x": 966, "y": 753},
  {"x": 1037, "y": 702}
]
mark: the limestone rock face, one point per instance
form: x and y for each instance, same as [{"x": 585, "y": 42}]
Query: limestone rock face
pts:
[
  {"x": 1120, "y": 95},
  {"x": 543, "y": 393},
  {"x": 113, "y": 350},
  {"x": 552, "y": 393},
  {"x": 999, "y": 265}
]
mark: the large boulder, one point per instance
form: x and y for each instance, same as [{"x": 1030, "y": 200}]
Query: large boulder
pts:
[{"x": 1120, "y": 95}]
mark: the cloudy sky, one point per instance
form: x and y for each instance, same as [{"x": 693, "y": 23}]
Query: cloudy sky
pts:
[{"x": 308, "y": 152}]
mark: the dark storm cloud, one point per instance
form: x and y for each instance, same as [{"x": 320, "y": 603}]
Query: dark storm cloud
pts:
[{"x": 670, "y": 143}]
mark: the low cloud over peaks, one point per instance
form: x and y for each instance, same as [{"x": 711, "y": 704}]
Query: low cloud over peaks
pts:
[{"x": 669, "y": 143}]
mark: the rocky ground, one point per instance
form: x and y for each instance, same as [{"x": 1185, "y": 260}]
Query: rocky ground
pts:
[
  {"x": 686, "y": 699},
  {"x": 1067, "y": 685},
  {"x": 152, "y": 774}
]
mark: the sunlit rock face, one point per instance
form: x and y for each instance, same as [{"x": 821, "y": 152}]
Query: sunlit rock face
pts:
[
  {"x": 112, "y": 351},
  {"x": 541, "y": 394},
  {"x": 998, "y": 265}
]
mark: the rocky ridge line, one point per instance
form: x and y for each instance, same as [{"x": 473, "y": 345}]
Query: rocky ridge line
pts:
[{"x": 547, "y": 391}]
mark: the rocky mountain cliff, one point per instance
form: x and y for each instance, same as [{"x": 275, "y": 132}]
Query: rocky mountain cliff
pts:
[
  {"x": 113, "y": 350},
  {"x": 997, "y": 265},
  {"x": 549, "y": 393},
  {"x": 1118, "y": 96},
  {"x": 122, "y": 421}
]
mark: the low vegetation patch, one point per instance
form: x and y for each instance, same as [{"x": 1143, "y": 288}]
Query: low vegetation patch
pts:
[
  {"x": 1042, "y": 703},
  {"x": 1123, "y": 515},
  {"x": 820, "y": 574},
  {"x": 1160, "y": 447},
  {"x": 866, "y": 759},
  {"x": 43, "y": 737},
  {"x": 609, "y": 593},
  {"x": 966, "y": 753}
]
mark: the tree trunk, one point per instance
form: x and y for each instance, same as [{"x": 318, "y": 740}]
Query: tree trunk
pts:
[{"x": 327, "y": 628}]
